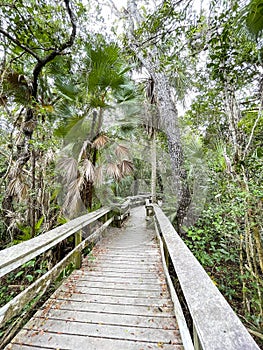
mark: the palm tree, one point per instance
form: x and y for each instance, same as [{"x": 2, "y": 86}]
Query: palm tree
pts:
[
  {"x": 102, "y": 81},
  {"x": 78, "y": 171}
]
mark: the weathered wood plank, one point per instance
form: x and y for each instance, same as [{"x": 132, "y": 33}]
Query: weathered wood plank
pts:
[
  {"x": 118, "y": 277},
  {"x": 139, "y": 310},
  {"x": 128, "y": 256},
  {"x": 104, "y": 318},
  {"x": 121, "y": 278},
  {"x": 140, "y": 268},
  {"x": 140, "y": 263},
  {"x": 122, "y": 275},
  {"x": 131, "y": 281},
  {"x": 104, "y": 331},
  {"x": 118, "y": 292},
  {"x": 217, "y": 325},
  {"x": 127, "y": 286},
  {"x": 69, "y": 341},
  {"x": 143, "y": 249},
  {"x": 120, "y": 300},
  {"x": 121, "y": 270}
]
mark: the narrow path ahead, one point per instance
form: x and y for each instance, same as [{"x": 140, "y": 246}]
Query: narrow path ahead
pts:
[{"x": 118, "y": 300}]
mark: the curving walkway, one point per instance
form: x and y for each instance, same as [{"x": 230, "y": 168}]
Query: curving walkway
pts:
[{"x": 118, "y": 300}]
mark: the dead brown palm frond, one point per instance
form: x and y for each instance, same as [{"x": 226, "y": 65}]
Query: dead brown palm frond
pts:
[
  {"x": 18, "y": 188},
  {"x": 68, "y": 168},
  {"x": 121, "y": 151},
  {"x": 73, "y": 202},
  {"x": 88, "y": 169},
  {"x": 98, "y": 179},
  {"x": 100, "y": 141},
  {"x": 114, "y": 171},
  {"x": 83, "y": 151},
  {"x": 126, "y": 167}
]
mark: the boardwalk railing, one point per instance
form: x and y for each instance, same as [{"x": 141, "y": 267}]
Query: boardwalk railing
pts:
[
  {"x": 215, "y": 325},
  {"x": 17, "y": 255}
]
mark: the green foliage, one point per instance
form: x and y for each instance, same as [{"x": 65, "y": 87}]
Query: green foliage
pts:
[
  {"x": 215, "y": 241},
  {"x": 254, "y": 17}
]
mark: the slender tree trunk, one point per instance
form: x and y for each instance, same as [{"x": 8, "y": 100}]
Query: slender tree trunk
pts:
[
  {"x": 154, "y": 166},
  {"x": 33, "y": 195},
  {"x": 234, "y": 115}
]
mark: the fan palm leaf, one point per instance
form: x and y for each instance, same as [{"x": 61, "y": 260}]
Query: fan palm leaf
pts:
[
  {"x": 121, "y": 151},
  {"x": 254, "y": 17},
  {"x": 73, "y": 203},
  {"x": 126, "y": 167},
  {"x": 17, "y": 187},
  {"x": 100, "y": 141},
  {"x": 114, "y": 171},
  {"x": 88, "y": 169},
  {"x": 68, "y": 168}
]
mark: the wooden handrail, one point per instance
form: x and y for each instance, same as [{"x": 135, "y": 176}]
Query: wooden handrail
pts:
[
  {"x": 39, "y": 287},
  {"x": 216, "y": 326},
  {"x": 19, "y": 254}
]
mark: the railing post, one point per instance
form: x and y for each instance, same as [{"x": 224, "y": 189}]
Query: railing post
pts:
[
  {"x": 78, "y": 256},
  {"x": 105, "y": 218}
]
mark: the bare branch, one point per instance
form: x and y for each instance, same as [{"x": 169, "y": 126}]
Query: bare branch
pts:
[{"x": 114, "y": 8}]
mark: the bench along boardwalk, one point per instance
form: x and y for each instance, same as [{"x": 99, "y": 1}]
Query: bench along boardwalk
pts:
[{"x": 117, "y": 300}]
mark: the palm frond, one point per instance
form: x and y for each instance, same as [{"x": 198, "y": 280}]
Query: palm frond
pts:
[
  {"x": 65, "y": 88},
  {"x": 253, "y": 17},
  {"x": 73, "y": 203},
  {"x": 83, "y": 151},
  {"x": 100, "y": 141},
  {"x": 126, "y": 167},
  {"x": 18, "y": 188},
  {"x": 88, "y": 169},
  {"x": 114, "y": 171},
  {"x": 121, "y": 151},
  {"x": 68, "y": 168}
]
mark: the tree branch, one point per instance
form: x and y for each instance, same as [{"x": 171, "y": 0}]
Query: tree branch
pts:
[
  {"x": 41, "y": 63},
  {"x": 254, "y": 127},
  {"x": 18, "y": 43}
]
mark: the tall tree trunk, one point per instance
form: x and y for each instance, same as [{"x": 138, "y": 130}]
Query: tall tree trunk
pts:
[
  {"x": 166, "y": 108},
  {"x": 154, "y": 166}
]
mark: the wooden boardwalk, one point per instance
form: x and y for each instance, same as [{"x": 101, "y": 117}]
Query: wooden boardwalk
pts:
[{"x": 118, "y": 300}]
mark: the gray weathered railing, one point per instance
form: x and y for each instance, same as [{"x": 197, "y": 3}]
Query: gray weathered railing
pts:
[
  {"x": 17, "y": 255},
  {"x": 215, "y": 325}
]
